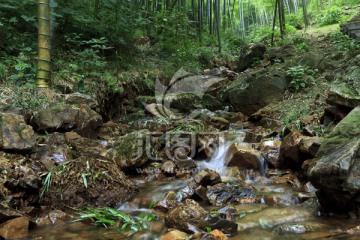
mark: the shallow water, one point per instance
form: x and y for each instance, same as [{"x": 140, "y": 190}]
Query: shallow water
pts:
[{"x": 280, "y": 212}]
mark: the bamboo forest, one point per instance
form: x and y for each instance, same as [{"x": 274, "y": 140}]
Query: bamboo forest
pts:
[{"x": 179, "y": 119}]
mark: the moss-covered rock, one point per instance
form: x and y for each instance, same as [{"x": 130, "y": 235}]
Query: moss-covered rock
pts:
[
  {"x": 344, "y": 132},
  {"x": 346, "y": 90},
  {"x": 336, "y": 171},
  {"x": 129, "y": 151},
  {"x": 254, "y": 90}
]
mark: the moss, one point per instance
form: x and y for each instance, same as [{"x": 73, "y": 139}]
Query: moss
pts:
[{"x": 346, "y": 130}]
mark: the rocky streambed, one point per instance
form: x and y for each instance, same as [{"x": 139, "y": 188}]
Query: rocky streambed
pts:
[{"x": 202, "y": 168}]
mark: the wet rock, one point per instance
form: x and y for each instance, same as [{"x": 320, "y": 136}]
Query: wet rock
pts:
[
  {"x": 127, "y": 153},
  {"x": 216, "y": 222},
  {"x": 188, "y": 191},
  {"x": 163, "y": 206},
  {"x": 174, "y": 235},
  {"x": 299, "y": 228},
  {"x": 15, "y": 228},
  {"x": 185, "y": 164},
  {"x": 82, "y": 119},
  {"x": 251, "y": 55},
  {"x": 271, "y": 152},
  {"x": 15, "y": 135},
  {"x": 214, "y": 235},
  {"x": 207, "y": 177},
  {"x": 221, "y": 194},
  {"x": 79, "y": 98},
  {"x": 255, "y": 135},
  {"x": 290, "y": 151},
  {"x": 270, "y": 217},
  {"x": 310, "y": 145},
  {"x": 243, "y": 157},
  {"x": 185, "y": 216},
  {"x": 254, "y": 90},
  {"x": 55, "y": 217}
]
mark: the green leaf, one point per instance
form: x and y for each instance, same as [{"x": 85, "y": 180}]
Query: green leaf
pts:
[{"x": 83, "y": 175}]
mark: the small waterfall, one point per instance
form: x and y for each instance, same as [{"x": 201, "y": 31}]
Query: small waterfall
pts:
[{"x": 216, "y": 162}]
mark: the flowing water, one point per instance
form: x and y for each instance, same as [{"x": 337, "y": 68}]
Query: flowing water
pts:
[{"x": 282, "y": 211}]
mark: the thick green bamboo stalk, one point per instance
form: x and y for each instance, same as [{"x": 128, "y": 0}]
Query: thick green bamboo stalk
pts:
[{"x": 43, "y": 76}]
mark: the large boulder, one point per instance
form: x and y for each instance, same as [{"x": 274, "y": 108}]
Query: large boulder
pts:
[
  {"x": 63, "y": 117},
  {"x": 15, "y": 135},
  {"x": 253, "y": 91},
  {"x": 336, "y": 171},
  {"x": 346, "y": 90},
  {"x": 251, "y": 55},
  {"x": 127, "y": 153}
]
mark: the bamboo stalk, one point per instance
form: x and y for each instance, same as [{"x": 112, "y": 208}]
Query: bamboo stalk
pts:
[{"x": 43, "y": 75}]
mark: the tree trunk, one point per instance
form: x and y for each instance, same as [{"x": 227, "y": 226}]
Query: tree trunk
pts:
[{"x": 43, "y": 75}]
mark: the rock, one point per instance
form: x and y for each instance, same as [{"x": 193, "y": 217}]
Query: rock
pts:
[
  {"x": 336, "y": 171},
  {"x": 55, "y": 217},
  {"x": 243, "y": 157},
  {"x": 127, "y": 153},
  {"x": 290, "y": 151},
  {"x": 185, "y": 164},
  {"x": 15, "y": 135},
  {"x": 81, "y": 146},
  {"x": 168, "y": 167},
  {"x": 7, "y": 213},
  {"x": 207, "y": 177},
  {"x": 271, "y": 217},
  {"x": 15, "y": 228},
  {"x": 255, "y": 90},
  {"x": 271, "y": 152},
  {"x": 221, "y": 194},
  {"x": 310, "y": 145},
  {"x": 215, "y": 235},
  {"x": 216, "y": 222},
  {"x": 82, "y": 119},
  {"x": 255, "y": 135},
  {"x": 345, "y": 91},
  {"x": 278, "y": 54},
  {"x": 159, "y": 110},
  {"x": 334, "y": 114},
  {"x": 218, "y": 122},
  {"x": 251, "y": 55},
  {"x": 79, "y": 99},
  {"x": 174, "y": 235},
  {"x": 185, "y": 216},
  {"x": 299, "y": 228},
  {"x": 163, "y": 206}
]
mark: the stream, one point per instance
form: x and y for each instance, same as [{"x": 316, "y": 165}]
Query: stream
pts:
[{"x": 282, "y": 210}]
